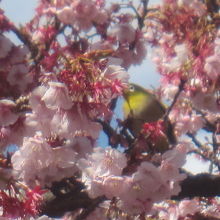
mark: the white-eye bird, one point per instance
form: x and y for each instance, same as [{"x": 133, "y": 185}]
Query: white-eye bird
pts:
[{"x": 141, "y": 106}]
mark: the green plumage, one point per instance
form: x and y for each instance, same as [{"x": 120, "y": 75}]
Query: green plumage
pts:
[{"x": 141, "y": 106}]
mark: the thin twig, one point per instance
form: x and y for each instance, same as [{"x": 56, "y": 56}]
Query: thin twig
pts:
[
  {"x": 181, "y": 86},
  {"x": 195, "y": 141}
]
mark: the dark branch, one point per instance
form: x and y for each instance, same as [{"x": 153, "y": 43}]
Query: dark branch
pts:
[{"x": 201, "y": 185}]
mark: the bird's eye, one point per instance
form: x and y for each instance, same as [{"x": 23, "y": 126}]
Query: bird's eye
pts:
[{"x": 131, "y": 88}]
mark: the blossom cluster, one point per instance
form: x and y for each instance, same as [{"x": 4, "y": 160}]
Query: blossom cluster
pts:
[
  {"x": 186, "y": 51},
  {"x": 102, "y": 173},
  {"x": 57, "y": 94}
]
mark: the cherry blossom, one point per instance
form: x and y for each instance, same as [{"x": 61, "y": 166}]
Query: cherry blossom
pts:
[
  {"x": 7, "y": 115},
  {"x": 60, "y": 87},
  {"x": 6, "y": 46},
  {"x": 34, "y": 162}
]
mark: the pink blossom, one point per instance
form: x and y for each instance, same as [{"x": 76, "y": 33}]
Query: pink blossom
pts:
[
  {"x": 116, "y": 73},
  {"x": 82, "y": 14},
  {"x": 5, "y": 46},
  {"x": 57, "y": 96},
  {"x": 176, "y": 60},
  {"x": 119, "y": 32},
  {"x": 188, "y": 207},
  {"x": 19, "y": 76},
  {"x": 74, "y": 122},
  {"x": 140, "y": 50},
  {"x": 7, "y": 115},
  {"x": 99, "y": 169},
  {"x": 83, "y": 145},
  {"x": 153, "y": 130},
  {"x": 33, "y": 201},
  {"x": 36, "y": 162},
  {"x": 19, "y": 54},
  {"x": 212, "y": 210},
  {"x": 12, "y": 206},
  {"x": 94, "y": 94},
  {"x": 114, "y": 186},
  {"x": 212, "y": 67},
  {"x": 89, "y": 10},
  {"x": 170, "y": 91},
  {"x": 134, "y": 55},
  {"x": 38, "y": 105},
  {"x": 126, "y": 55},
  {"x": 169, "y": 214},
  {"x": 145, "y": 187},
  {"x": 66, "y": 15},
  {"x": 172, "y": 160},
  {"x": 11, "y": 135},
  {"x": 188, "y": 123},
  {"x": 19, "y": 206},
  {"x": 183, "y": 210},
  {"x": 52, "y": 114},
  {"x": 195, "y": 5},
  {"x": 105, "y": 161},
  {"x": 177, "y": 156}
]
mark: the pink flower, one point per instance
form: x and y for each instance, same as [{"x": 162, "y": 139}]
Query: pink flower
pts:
[
  {"x": 56, "y": 96},
  {"x": 153, "y": 130},
  {"x": 12, "y": 206},
  {"x": 188, "y": 207},
  {"x": 82, "y": 14},
  {"x": 21, "y": 207},
  {"x": 7, "y": 115},
  {"x": 170, "y": 213},
  {"x": 212, "y": 210},
  {"x": 33, "y": 201},
  {"x": 170, "y": 91},
  {"x": 19, "y": 76},
  {"x": 195, "y": 5},
  {"x": 119, "y": 32},
  {"x": 74, "y": 122},
  {"x": 212, "y": 67},
  {"x": 145, "y": 187},
  {"x": 119, "y": 78},
  {"x": 134, "y": 55},
  {"x": 65, "y": 15},
  {"x": 87, "y": 12},
  {"x": 101, "y": 170},
  {"x": 113, "y": 186},
  {"x": 174, "y": 60},
  {"x": 19, "y": 54},
  {"x": 188, "y": 123},
  {"x": 183, "y": 210},
  {"x": 177, "y": 156},
  {"x": 37, "y": 162},
  {"x": 83, "y": 145},
  {"x": 5, "y": 46},
  {"x": 172, "y": 160}
]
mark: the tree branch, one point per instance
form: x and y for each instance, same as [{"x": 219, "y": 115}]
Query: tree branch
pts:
[{"x": 201, "y": 185}]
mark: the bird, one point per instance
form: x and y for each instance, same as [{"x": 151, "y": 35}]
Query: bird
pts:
[{"x": 142, "y": 106}]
